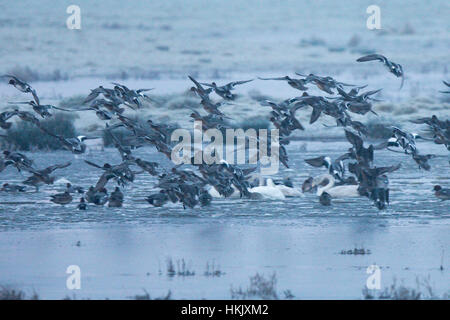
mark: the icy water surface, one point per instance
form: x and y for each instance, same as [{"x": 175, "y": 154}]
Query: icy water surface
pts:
[{"x": 123, "y": 251}]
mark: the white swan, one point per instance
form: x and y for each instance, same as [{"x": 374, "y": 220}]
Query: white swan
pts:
[
  {"x": 288, "y": 191},
  {"x": 269, "y": 191},
  {"x": 335, "y": 192}
]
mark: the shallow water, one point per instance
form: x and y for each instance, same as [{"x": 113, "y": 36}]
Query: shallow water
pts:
[{"x": 124, "y": 251}]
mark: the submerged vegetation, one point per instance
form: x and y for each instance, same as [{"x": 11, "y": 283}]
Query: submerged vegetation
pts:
[
  {"x": 146, "y": 296},
  {"x": 182, "y": 269},
  {"x": 9, "y": 293},
  {"x": 213, "y": 270},
  {"x": 260, "y": 288},
  {"x": 423, "y": 290}
]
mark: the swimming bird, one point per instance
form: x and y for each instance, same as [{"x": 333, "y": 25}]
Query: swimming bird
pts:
[
  {"x": 441, "y": 193},
  {"x": 7, "y": 187},
  {"x": 307, "y": 185},
  {"x": 116, "y": 198},
  {"x": 269, "y": 191},
  {"x": 325, "y": 199},
  {"x": 225, "y": 90},
  {"x": 74, "y": 189},
  {"x": 100, "y": 197},
  {"x": 61, "y": 198},
  {"x": 380, "y": 192},
  {"x": 288, "y": 191},
  {"x": 394, "y": 68},
  {"x": 286, "y": 181},
  {"x": 22, "y": 86},
  {"x": 82, "y": 205},
  {"x": 287, "y": 188},
  {"x": 326, "y": 183},
  {"x": 204, "y": 198},
  {"x": 158, "y": 199},
  {"x": 90, "y": 195}
]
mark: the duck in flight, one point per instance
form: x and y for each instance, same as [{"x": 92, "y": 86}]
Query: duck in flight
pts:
[
  {"x": 298, "y": 84},
  {"x": 21, "y": 86},
  {"x": 225, "y": 90},
  {"x": 394, "y": 68},
  {"x": 41, "y": 109}
]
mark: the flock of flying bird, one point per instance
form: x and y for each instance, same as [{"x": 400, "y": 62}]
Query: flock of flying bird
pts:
[{"x": 198, "y": 187}]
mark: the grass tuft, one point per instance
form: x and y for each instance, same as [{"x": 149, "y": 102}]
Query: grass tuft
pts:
[
  {"x": 8, "y": 293},
  {"x": 422, "y": 291},
  {"x": 260, "y": 288},
  {"x": 213, "y": 270}
]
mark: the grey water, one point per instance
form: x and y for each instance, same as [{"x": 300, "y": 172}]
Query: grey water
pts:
[{"x": 122, "y": 252}]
